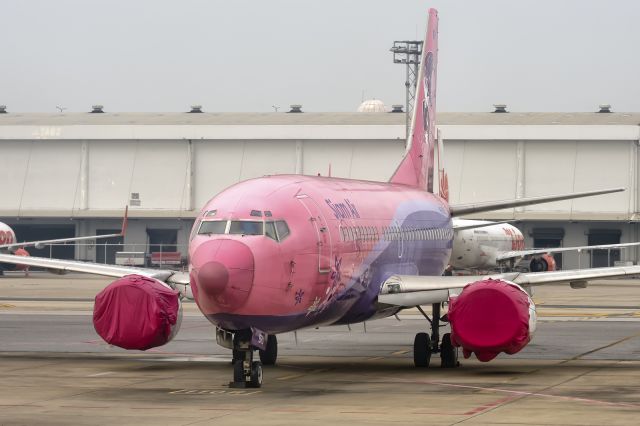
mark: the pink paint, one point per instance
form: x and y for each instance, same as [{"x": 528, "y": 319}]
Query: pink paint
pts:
[{"x": 416, "y": 169}]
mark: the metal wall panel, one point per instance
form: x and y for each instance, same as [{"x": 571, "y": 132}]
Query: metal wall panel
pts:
[
  {"x": 480, "y": 171},
  {"x": 39, "y": 175},
  {"x": 156, "y": 170}
]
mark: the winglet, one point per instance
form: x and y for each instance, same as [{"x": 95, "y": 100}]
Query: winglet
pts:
[{"x": 125, "y": 221}]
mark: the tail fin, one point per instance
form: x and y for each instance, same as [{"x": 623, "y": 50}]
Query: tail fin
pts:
[{"x": 416, "y": 168}]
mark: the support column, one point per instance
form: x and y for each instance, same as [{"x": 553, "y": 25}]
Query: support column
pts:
[
  {"x": 299, "y": 158},
  {"x": 190, "y": 180},
  {"x": 520, "y": 177},
  {"x": 84, "y": 175}
]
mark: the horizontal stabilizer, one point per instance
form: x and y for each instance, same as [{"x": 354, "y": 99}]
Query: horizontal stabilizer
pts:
[{"x": 462, "y": 209}]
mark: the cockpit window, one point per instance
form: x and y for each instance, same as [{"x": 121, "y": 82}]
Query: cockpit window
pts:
[
  {"x": 246, "y": 227},
  {"x": 213, "y": 227},
  {"x": 283, "y": 229},
  {"x": 270, "y": 230}
]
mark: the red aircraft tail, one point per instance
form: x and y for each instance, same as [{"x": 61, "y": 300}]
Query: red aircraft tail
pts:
[{"x": 416, "y": 168}]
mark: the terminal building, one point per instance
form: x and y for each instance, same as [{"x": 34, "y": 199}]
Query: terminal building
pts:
[{"x": 72, "y": 174}]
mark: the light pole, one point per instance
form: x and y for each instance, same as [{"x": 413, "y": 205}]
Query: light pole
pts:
[{"x": 408, "y": 52}]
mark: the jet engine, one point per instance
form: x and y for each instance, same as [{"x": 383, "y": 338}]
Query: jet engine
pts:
[
  {"x": 543, "y": 263},
  {"x": 21, "y": 252},
  {"x": 491, "y": 316},
  {"x": 137, "y": 312}
]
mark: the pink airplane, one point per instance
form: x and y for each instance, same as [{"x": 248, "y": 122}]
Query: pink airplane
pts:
[{"x": 280, "y": 253}]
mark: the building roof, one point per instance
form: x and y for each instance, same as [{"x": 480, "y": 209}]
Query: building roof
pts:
[{"x": 315, "y": 118}]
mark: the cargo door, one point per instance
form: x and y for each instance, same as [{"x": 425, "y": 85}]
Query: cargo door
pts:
[{"x": 321, "y": 229}]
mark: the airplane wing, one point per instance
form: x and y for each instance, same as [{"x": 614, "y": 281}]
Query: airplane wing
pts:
[
  {"x": 515, "y": 254},
  {"x": 460, "y": 227},
  {"x": 42, "y": 243},
  {"x": 176, "y": 279},
  {"x": 409, "y": 290},
  {"x": 462, "y": 209}
]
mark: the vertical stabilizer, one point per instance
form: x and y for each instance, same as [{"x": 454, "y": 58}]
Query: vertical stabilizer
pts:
[{"x": 416, "y": 168}]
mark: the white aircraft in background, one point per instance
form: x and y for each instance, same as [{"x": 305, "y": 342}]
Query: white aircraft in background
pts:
[
  {"x": 485, "y": 245},
  {"x": 10, "y": 245}
]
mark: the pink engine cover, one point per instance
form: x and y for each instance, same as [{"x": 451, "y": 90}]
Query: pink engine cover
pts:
[
  {"x": 136, "y": 312},
  {"x": 491, "y": 316}
]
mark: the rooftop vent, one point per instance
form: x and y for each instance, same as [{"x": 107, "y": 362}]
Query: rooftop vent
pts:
[
  {"x": 3, "y": 109},
  {"x": 397, "y": 108},
  {"x": 196, "y": 108},
  {"x": 295, "y": 108},
  {"x": 605, "y": 108},
  {"x": 500, "y": 108},
  {"x": 97, "y": 109}
]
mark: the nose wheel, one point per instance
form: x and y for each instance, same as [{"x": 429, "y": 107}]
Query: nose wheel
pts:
[
  {"x": 424, "y": 345},
  {"x": 247, "y": 373}
]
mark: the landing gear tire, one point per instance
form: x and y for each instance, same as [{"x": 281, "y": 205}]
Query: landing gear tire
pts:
[
  {"x": 421, "y": 350},
  {"x": 238, "y": 371},
  {"x": 256, "y": 374},
  {"x": 270, "y": 354},
  {"x": 448, "y": 353}
]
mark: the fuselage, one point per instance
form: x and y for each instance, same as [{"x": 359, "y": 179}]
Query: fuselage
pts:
[
  {"x": 283, "y": 252},
  {"x": 478, "y": 248}
]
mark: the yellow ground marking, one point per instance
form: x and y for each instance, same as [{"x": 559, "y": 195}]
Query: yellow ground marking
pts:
[
  {"x": 6, "y": 306},
  {"x": 213, "y": 392},
  {"x": 293, "y": 376},
  {"x": 574, "y": 314},
  {"x": 399, "y": 352}
]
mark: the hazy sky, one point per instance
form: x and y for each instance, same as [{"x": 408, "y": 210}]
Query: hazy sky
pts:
[{"x": 247, "y": 55}]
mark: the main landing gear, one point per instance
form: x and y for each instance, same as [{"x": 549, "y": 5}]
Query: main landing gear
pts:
[
  {"x": 247, "y": 373},
  {"x": 424, "y": 346}
]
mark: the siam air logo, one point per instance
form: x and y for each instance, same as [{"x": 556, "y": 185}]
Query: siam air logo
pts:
[
  {"x": 345, "y": 210},
  {"x": 427, "y": 102}
]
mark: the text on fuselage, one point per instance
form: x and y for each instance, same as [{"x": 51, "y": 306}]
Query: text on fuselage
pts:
[{"x": 345, "y": 210}]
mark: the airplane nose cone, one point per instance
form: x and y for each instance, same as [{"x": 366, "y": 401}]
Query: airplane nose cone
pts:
[
  {"x": 213, "y": 277},
  {"x": 222, "y": 270}
]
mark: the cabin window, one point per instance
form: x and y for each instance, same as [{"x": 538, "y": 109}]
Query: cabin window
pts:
[
  {"x": 210, "y": 227},
  {"x": 246, "y": 227},
  {"x": 283, "y": 229},
  {"x": 211, "y": 213}
]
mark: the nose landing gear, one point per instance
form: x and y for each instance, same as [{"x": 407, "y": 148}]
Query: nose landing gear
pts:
[
  {"x": 247, "y": 373},
  {"x": 424, "y": 347}
]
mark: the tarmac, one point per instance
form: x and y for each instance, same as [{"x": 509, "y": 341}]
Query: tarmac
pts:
[{"x": 581, "y": 368}]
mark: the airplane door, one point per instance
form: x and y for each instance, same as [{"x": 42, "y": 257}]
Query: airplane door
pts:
[{"x": 321, "y": 228}]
